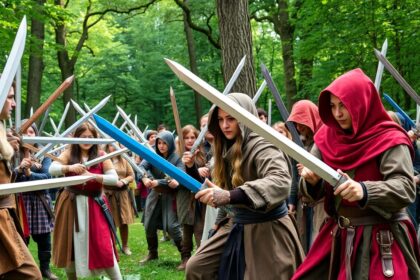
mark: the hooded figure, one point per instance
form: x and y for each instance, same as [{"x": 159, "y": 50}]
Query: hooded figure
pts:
[
  {"x": 369, "y": 234},
  {"x": 305, "y": 114},
  {"x": 310, "y": 215},
  {"x": 159, "y": 212},
  {"x": 258, "y": 239}
]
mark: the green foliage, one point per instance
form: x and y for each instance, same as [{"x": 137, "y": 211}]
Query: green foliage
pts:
[{"x": 123, "y": 54}]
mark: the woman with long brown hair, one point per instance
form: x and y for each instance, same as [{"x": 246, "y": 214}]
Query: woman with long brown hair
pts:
[
  {"x": 251, "y": 180},
  {"x": 83, "y": 241}
]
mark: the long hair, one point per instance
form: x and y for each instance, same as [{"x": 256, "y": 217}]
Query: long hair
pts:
[
  {"x": 219, "y": 175},
  {"x": 281, "y": 125},
  {"x": 200, "y": 159},
  {"x": 107, "y": 150},
  {"x": 76, "y": 152}
]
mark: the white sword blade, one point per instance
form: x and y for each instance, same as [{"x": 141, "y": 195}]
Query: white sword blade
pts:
[
  {"x": 380, "y": 69},
  {"x": 65, "y": 140},
  {"x": 84, "y": 118},
  {"x": 258, "y": 126},
  {"x": 259, "y": 91},
  {"x": 13, "y": 62},
  {"x": 37, "y": 185},
  {"x": 105, "y": 157},
  {"x": 125, "y": 156}
]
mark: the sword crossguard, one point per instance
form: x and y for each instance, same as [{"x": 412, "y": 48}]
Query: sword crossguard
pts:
[{"x": 340, "y": 181}]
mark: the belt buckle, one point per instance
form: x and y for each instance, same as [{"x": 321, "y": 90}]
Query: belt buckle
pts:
[{"x": 344, "y": 222}]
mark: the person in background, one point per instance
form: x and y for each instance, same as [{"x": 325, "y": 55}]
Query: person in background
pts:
[
  {"x": 190, "y": 212},
  {"x": 159, "y": 210},
  {"x": 122, "y": 208},
  {"x": 262, "y": 114},
  {"x": 39, "y": 214}
]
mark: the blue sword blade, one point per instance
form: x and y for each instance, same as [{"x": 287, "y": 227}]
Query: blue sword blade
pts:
[
  {"x": 399, "y": 110},
  {"x": 153, "y": 158}
]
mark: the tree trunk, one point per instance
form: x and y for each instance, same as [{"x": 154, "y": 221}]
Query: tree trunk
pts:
[
  {"x": 236, "y": 41},
  {"x": 305, "y": 75},
  {"x": 36, "y": 63},
  {"x": 284, "y": 28},
  {"x": 66, "y": 66},
  {"x": 193, "y": 65}
]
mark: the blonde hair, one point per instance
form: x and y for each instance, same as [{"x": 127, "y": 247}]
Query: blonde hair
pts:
[
  {"x": 199, "y": 158},
  {"x": 281, "y": 125},
  {"x": 219, "y": 175}
]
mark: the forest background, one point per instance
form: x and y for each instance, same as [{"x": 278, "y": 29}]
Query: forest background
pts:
[{"x": 117, "y": 47}]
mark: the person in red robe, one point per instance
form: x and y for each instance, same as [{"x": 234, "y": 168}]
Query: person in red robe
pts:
[{"x": 369, "y": 234}]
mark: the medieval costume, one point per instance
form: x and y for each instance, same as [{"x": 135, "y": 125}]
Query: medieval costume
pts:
[
  {"x": 83, "y": 241},
  {"x": 309, "y": 216},
  {"x": 190, "y": 212},
  {"x": 160, "y": 210},
  {"x": 122, "y": 206},
  {"x": 258, "y": 239},
  {"x": 38, "y": 207},
  {"x": 369, "y": 235}
]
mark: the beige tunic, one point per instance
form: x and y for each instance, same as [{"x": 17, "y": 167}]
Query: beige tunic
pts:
[{"x": 122, "y": 208}]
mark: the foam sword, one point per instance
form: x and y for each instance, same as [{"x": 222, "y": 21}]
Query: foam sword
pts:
[
  {"x": 227, "y": 89},
  {"x": 270, "y": 134},
  {"x": 147, "y": 154}
]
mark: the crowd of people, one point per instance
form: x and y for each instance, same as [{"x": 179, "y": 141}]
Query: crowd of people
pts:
[{"x": 262, "y": 215}]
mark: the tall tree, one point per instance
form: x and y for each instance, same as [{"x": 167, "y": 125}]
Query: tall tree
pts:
[
  {"x": 66, "y": 61},
  {"x": 277, "y": 13},
  {"x": 236, "y": 41},
  {"x": 36, "y": 62},
  {"x": 193, "y": 62}
]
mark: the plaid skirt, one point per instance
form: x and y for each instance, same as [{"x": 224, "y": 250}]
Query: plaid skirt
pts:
[{"x": 38, "y": 218}]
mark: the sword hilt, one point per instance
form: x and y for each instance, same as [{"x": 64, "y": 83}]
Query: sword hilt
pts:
[{"x": 340, "y": 181}]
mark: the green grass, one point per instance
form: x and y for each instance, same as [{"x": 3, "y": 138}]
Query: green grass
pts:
[{"x": 163, "y": 268}]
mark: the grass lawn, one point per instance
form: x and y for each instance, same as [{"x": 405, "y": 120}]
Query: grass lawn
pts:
[{"x": 163, "y": 268}]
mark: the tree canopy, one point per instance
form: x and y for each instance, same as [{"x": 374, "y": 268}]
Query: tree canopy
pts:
[{"x": 118, "y": 47}]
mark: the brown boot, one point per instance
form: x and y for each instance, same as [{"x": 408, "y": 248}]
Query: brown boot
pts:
[
  {"x": 153, "y": 255},
  {"x": 46, "y": 273},
  {"x": 183, "y": 264}
]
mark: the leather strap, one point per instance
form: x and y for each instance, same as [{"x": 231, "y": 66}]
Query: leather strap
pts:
[
  {"x": 349, "y": 250},
  {"x": 335, "y": 253},
  {"x": 47, "y": 207},
  {"x": 385, "y": 240}
]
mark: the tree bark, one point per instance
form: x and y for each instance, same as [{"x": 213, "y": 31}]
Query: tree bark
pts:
[
  {"x": 284, "y": 28},
  {"x": 193, "y": 63},
  {"x": 236, "y": 41},
  {"x": 66, "y": 65},
  {"x": 36, "y": 63}
]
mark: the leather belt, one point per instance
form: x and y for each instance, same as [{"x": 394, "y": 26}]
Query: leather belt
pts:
[
  {"x": 350, "y": 217},
  {"x": 353, "y": 216}
]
